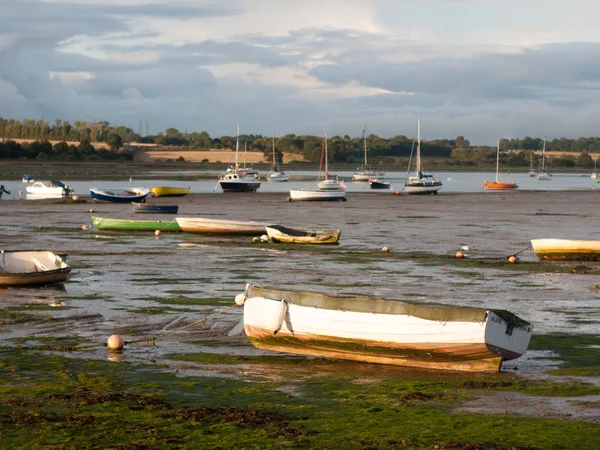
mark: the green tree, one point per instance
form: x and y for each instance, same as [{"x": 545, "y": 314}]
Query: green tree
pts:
[{"x": 114, "y": 141}]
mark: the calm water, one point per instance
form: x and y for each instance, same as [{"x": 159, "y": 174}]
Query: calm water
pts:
[{"x": 204, "y": 182}]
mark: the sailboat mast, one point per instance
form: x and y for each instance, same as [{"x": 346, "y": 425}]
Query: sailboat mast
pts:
[
  {"x": 544, "y": 155},
  {"x": 419, "y": 145},
  {"x": 365, "y": 144},
  {"x": 245, "y": 145},
  {"x": 273, "y": 137},
  {"x": 497, "y": 159},
  {"x": 326, "y": 170},
  {"x": 237, "y": 147}
]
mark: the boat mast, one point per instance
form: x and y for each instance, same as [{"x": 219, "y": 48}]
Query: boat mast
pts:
[
  {"x": 237, "y": 146},
  {"x": 419, "y": 145},
  {"x": 365, "y": 144},
  {"x": 273, "y": 162},
  {"x": 544, "y": 155},
  {"x": 497, "y": 159},
  {"x": 245, "y": 145},
  {"x": 325, "y": 138}
]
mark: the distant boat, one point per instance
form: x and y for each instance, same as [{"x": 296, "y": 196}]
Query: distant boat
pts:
[
  {"x": 169, "y": 191},
  {"x": 330, "y": 182},
  {"x": 220, "y": 226},
  {"x": 594, "y": 175},
  {"x": 544, "y": 175},
  {"x": 119, "y": 195},
  {"x": 566, "y": 249},
  {"x": 31, "y": 267},
  {"x": 49, "y": 188},
  {"x": 235, "y": 180},
  {"x": 364, "y": 172},
  {"x": 421, "y": 183},
  {"x": 153, "y": 208},
  {"x": 373, "y": 330},
  {"x": 278, "y": 233},
  {"x": 276, "y": 175},
  {"x": 378, "y": 183},
  {"x": 105, "y": 224},
  {"x": 532, "y": 172},
  {"x": 499, "y": 184},
  {"x": 28, "y": 178}
]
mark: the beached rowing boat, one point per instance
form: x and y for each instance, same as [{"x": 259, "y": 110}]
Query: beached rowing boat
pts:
[
  {"x": 170, "y": 191},
  {"x": 119, "y": 195},
  {"x": 31, "y": 267},
  {"x": 102, "y": 223},
  {"x": 278, "y": 233},
  {"x": 220, "y": 226},
  {"x": 154, "y": 208},
  {"x": 369, "y": 329},
  {"x": 566, "y": 249}
]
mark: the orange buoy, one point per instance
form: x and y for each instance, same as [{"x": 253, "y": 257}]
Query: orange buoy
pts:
[
  {"x": 92, "y": 211},
  {"x": 157, "y": 233},
  {"x": 84, "y": 227},
  {"x": 398, "y": 193},
  {"x": 385, "y": 250},
  {"x": 115, "y": 342},
  {"x": 512, "y": 259},
  {"x": 459, "y": 255}
]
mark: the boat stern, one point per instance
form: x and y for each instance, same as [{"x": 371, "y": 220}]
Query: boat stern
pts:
[{"x": 506, "y": 334}]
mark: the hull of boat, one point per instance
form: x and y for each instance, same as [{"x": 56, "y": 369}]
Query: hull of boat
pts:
[
  {"x": 239, "y": 186},
  {"x": 150, "y": 208},
  {"x": 317, "y": 196},
  {"x": 499, "y": 185},
  {"x": 422, "y": 188},
  {"x": 166, "y": 191},
  {"x": 47, "y": 191},
  {"x": 543, "y": 176},
  {"x": 119, "y": 195},
  {"x": 378, "y": 184},
  {"x": 320, "y": 236},
  {"x": 105, "y": 224},
  {"x": 278, "y": 177},
  {"x": 29, "y": 268},
  {"x": 566, "y": 249},
  {"x": 383, "y": 331},
  {"x": 216, "y": 226}
]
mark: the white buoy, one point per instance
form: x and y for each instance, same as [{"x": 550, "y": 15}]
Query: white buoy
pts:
[
  {"x": 157, "y": 233},
  {"x": 115, "y": 342},
  {"x": 255, "y": 239},
  {"x": 75, "y": 197},
  {"x": 385, "y": 250},
  {"x": 240, "y": 299},
  {"x": 459, "y": 255},
  {"x": 92, "y": 211},
  {"x": 264, "y": 238}
]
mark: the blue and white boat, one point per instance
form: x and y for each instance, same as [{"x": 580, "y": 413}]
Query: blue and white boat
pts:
[
  {"x": 153, "y": 208},
  {"x": 28, "y": 178},
  {"x": 119, "y": 195}
]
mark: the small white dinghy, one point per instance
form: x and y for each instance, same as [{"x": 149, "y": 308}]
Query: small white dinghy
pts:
[
  {"x": 34, "y": 267},
  {"x": 368, "y": 329}
]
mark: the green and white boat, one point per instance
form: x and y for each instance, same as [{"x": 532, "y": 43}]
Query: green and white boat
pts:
[{"x": 102, "y": 223}]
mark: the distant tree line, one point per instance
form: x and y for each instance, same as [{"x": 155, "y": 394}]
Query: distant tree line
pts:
[
  {"x": 341, "y": 149},
  {"x": 45, "y": 151}
]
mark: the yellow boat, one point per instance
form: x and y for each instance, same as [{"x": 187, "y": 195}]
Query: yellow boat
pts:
[
  {"x": 168, "y": 191},
  {"x": 566, "y": 249},
  {"x": 277, "y": 233}
]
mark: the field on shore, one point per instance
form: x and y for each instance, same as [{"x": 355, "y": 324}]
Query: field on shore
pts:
[
  {"x": 212, "y": 156},
  {"x": 206, "y": 386}
]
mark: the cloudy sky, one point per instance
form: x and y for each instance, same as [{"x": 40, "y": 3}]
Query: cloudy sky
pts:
[{"x": 482, "y": 69}]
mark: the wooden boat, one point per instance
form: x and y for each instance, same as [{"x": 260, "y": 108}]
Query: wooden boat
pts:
[
  {"x": 153, "y": 208},
  {"x": 368, "y": 329},
  {"x": 307, "y": 195},
  {"x": 49, "y": 188},
  {"x": 566, "y": 249},
  {"x": 220, "y": 226},
  {"x": 278, "y": 233},
  {"x": 119, "y": 195},
  {"x": 237, "y": 180},
  {"x": 421, "y": 183},
  {"x": 169, "y": 191},
  {"x": 364, "y": 172},
  {"x": 34, "y": 267},
  {"x": 378, "y": 183},
  {"x": 499, "y": 184},
  {"x": 102, "y": 223}
]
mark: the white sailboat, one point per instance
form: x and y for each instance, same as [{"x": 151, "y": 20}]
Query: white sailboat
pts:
[
  {"x": 421, "y": 183},
  {"x": 236, "y": 180},
  {"x": 594, "y": 175},
  {"x": 276, "y": 175},
  {"x": 544, "y": 175},
  {"x": 329, "y": 189},
  {"x": 365, "y": 173},
  {"x": 531, "y": 171}
]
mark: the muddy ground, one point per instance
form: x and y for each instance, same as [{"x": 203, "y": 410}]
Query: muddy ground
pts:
[{"x": 139, "y": 285}]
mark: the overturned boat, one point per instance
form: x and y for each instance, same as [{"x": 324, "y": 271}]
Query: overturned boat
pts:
[
  {"x": 368, "y": 329},
  {"x": 31, "y": 267}
]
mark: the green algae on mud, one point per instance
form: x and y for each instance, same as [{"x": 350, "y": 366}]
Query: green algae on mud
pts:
[
  {"x": 579, "y": 353},
  {"x": 51, "y": 401}
]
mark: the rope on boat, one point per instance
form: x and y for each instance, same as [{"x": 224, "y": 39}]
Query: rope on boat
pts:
[
  {"x": 151, "y": 340},
  {"x": 529, "y": 247}
]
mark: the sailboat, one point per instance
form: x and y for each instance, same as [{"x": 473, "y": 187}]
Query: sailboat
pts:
[
  {"x": 364, "y": 173},
  {"x": 329, "y": 189},
  {"x": 421, "y": 183},
  {"x": 499, "y": 184},
  {"x": 276, "y": 175},
  {"x": 531, "y": 171},
  {"x": 544, "y": 175},
  {"x": 594, "y": 175},
  {"x": 236, "y": 180}
]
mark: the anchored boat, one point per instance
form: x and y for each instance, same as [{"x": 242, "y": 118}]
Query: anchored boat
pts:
[
  {"x": 566, "y": 249},
  {"x": 32, "y": 267},
  {"x": 278, "y": 233}
]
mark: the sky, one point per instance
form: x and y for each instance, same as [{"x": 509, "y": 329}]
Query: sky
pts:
[{"x": 482, "y": 69}]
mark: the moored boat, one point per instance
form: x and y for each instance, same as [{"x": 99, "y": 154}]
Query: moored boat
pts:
[
  {"x": 544, "y": 175},
  {"x": 102, "y": 223},
  {"x": 421, "y": 183},
  {"x": 28, "y": 178},
  {"x": 379, "y": 183},
  {"x": 566, "y": 249},
  {"x": 49, "y": 188},
  {"x": 364, "y": 172},
  {"x": 499, "y": 184},
  {"x": 154, "y": 208},
  {"x": 170, "y": 191},
  {"x": 119, "y": 195},
  {"x": 236, "y": 179},
  {"x": 301, "y": 195},
  {"x": 31, "y": 267},
  {"x": 220, "y": 226},
  {"x": 278, "y": 233},
  {"x": 369, "y": 329}
]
